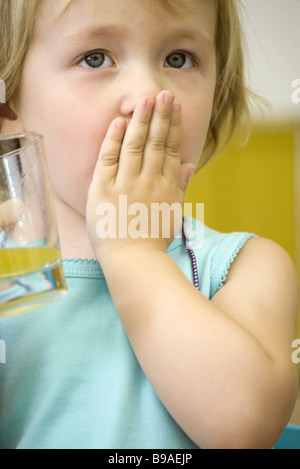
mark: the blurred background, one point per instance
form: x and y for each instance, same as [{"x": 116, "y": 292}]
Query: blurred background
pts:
[{"x": 256, "y": 188}]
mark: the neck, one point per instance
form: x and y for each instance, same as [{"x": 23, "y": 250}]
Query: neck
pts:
[{"x": 74, "y": 239}]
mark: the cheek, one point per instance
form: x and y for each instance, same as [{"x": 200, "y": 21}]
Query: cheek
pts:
[
  {"x": 72, "y": 150},
  {"x": 73, "y": 135},
  {"x": 195, "y": 125},
  {"x": 72, "y": 128}
]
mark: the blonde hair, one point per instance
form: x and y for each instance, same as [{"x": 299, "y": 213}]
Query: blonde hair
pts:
[{"x": 18, "y": 18}]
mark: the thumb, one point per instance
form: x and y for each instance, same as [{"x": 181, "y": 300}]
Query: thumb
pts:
[
  {"x": 187, "y": 171},
  {"x": 10, "y": 213}
]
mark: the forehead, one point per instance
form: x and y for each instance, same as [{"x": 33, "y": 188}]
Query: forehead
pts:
[
  {"x": 172, "y": 6},
  {"x": 196, "y": 14}
]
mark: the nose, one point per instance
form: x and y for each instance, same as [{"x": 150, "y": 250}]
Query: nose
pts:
[{"x": 139, "y": 83}]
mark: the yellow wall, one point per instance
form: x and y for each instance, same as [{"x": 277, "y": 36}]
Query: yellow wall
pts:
[{"x": 253, "y": 189}]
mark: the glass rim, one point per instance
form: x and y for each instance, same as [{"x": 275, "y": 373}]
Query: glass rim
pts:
[{"x": 32, "y": 137}]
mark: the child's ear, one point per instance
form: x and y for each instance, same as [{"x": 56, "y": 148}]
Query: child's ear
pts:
[{"x": 9, "y": 121}]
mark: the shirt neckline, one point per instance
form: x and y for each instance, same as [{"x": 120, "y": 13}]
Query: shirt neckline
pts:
[{"x": 91, "y": 268}]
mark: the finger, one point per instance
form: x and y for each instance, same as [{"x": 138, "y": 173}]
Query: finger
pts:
[
  {"x": 108, "y": 161},
  {"x": 154, "y": 153},
  {"x": 172, "y": 160},
  {"x": 187, "y": 171},
  {"x": 135, "y": 139},
  {"x": 10, "y": 213}
]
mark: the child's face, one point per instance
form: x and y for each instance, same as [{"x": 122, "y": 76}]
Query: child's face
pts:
[{"x": 96, "y": 61}]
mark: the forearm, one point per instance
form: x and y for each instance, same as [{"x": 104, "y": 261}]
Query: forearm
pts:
[
  {"x": 189, "y": 349},
  {"x": 214, "y": 373}
]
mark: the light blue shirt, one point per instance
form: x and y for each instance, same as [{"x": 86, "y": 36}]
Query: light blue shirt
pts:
[{"x": 71, "y": 379}]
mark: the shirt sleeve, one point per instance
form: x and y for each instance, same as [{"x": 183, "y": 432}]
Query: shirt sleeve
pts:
[{"x": 224, "y": 256}]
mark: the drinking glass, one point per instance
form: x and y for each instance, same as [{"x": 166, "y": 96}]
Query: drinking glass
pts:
[{"x": 31, "y": 273}]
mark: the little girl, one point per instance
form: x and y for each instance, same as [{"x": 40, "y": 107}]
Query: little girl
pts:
[{"x": 160, "y": 342}]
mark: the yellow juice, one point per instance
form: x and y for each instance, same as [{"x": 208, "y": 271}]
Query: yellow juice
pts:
[
  {"x": 22, "y": 261},
  {"x": 29, "y": 278}
]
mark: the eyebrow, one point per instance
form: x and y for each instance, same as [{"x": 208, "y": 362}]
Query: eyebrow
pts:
[
  {"x": 97, "y": 31},
  {"x": 94, "y": 32}
]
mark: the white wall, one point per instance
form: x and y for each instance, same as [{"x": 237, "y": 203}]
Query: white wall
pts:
[{"x": 273, "y": 33}]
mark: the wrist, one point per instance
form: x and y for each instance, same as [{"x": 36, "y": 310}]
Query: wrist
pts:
[{"x": 128, "y": 249}]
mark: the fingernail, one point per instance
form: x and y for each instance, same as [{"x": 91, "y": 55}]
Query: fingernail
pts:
[
  {"x": 120, "y": 124},
  {"x": 149, "y": 104},
  {"x": 176, "y": 107},
  {"x": 168, "y": 98}
]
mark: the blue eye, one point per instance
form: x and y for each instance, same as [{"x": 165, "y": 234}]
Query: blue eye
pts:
[
  {"x": 97, "y": 60},
  {"x": 179, "y": 60}
]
